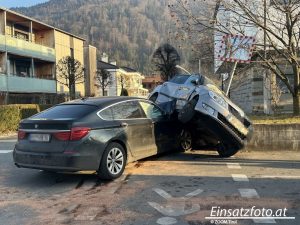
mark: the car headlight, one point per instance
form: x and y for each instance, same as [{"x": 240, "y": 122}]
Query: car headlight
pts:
[{"x": 217, "y": 98}]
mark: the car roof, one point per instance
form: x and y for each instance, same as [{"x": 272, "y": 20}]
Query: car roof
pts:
[{"x": 101, "y": 102}]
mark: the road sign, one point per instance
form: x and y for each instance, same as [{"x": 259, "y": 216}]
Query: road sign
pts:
[{"x": 236, "y": 48}]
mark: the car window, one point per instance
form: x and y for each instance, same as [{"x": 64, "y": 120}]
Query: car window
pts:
[
  {"x": 66, "y": 112},
  {"x": 179, "y": 79},
  {"x": 151, "y": 111},
  {"x": 107, "y": 114},
  {"x": 124, "y": 110},
  {"x": 127, "y": 110},
  {"x": 191, "y": 78}
]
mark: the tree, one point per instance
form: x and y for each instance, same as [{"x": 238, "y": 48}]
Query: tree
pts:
[
  {"x": 69, "y": 73},
  {"x": 123, "y": 81},
  {"x": 165, "y": 59},
  {"x": 103, "y": 79},
  {"x": 275, "y": 23}
]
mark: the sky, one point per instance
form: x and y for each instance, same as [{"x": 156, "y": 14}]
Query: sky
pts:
[{"x": 19, "y": 3}]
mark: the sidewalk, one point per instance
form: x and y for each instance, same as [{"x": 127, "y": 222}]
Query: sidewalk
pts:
[{"x": 12, "y": 135}]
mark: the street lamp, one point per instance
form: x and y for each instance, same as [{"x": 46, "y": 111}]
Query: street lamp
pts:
[{"x": 180, "y": 67}]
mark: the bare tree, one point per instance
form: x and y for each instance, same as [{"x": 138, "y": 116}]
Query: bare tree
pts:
[
  {"x": 275, "y": 23},
  {"x": 69, "y": 73},
  {"x": 123, "y": 80},
  {"x": 165, "y": 59},
  {"x": 103, "y": 79}
]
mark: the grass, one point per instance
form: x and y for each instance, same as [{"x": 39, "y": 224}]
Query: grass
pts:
[{"x": 275, "y": 119}]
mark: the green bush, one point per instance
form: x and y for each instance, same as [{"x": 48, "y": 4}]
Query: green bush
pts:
[{"x": 11, "y": 115}]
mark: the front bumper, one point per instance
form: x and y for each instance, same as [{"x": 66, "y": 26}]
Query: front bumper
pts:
[
  {"x": 222, "y": 124},
  {"x": 55, "y": 161}
]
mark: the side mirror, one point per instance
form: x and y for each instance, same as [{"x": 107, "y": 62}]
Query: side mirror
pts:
[{"x": 195, "y": 82}]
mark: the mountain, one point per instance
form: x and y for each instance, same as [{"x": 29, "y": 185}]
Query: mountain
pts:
[{"x": 129, "y": 31}]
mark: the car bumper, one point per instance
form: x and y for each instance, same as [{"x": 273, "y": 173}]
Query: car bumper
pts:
[
  {"x": 222, "y": 124},
  {"x": 55, "y": 162}
]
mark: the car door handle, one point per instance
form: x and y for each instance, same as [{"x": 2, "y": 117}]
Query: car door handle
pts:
[{"x": 124, "y": 124}]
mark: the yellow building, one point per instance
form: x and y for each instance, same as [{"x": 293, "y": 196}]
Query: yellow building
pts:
[
  {"x": 29, "y": 52},
  {"x": 129, "y": 78}
]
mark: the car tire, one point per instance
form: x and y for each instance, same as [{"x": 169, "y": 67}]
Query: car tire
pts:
[
  {"x": 153, "y": 97},
  {"x": 187, "y": 113},
  {"x": 185, "y": 140},
  {"x": 113, "y": 162},
  {"x": 226, "y": 150}
]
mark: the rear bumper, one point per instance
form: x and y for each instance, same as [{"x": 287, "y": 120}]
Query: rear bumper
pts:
[{"x": 55, "y": 162}]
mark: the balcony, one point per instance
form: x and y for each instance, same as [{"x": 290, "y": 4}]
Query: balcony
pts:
[
  {"x": 26, "y": 48},
  {"x": 26, "y": 84}
]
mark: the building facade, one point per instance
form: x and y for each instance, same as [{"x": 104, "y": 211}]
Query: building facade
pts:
[
  {"x": 150, "y": 82},
  {"x": 125, "y": 77},
  {"x": 29, "y": 52},
  {"x": 90, "y": 62}
]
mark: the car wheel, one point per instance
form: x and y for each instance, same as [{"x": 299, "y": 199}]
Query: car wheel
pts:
[
  {"x": 226, "y": 150},
  {"x": 185, "y": 140},
  {"x": 113, "y": 162},
  {"x": 153, "y": 97}
]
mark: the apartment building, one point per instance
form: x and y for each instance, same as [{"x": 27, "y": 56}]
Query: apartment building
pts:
[{"x": 29, "y": 52}]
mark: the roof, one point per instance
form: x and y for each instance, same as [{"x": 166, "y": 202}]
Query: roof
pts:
[
  {"x": 39, "y": 22},
  {"x": 100, "y": 101},
  {"x": 128, "y": 69},
  {"x": 106, "y": 66}
]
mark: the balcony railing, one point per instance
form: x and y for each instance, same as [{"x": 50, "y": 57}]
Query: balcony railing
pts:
[
  {"x": 26, "y": 48},
  {"x": 26, "y": 84}
]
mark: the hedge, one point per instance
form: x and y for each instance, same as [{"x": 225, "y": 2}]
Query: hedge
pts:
[{"x": 11, "y": 115}]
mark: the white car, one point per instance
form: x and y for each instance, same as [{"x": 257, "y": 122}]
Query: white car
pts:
[{"x": 210, "y": 117}]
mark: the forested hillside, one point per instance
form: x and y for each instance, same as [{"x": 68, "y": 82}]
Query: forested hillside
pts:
[{"x": 129, "y": 31}]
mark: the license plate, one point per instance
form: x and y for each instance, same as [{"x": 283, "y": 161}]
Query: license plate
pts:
[{"x": 39, "y": 137}]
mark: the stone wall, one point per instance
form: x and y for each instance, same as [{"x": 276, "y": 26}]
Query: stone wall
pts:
[{"x": 283, "y": 137}]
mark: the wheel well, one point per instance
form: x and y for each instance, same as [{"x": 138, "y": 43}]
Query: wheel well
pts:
[{"x": 196, "y": 97}]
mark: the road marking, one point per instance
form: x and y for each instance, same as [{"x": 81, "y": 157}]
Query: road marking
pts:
[
  {"x": 5, "y": 151},
  {"x": 281, "y": 177},
  {"x": 240, "y": 177},
  {"x": 264, "y": 221},
  {"x": 233, "y": 166},
  {"x": 14, "y": 140},
  {"x": 248, "y": 193},
  {"x": 175, "y": 206}
]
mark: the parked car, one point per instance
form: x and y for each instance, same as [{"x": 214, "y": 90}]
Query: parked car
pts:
[
  {"x": 101, "y": 134},
  {"x": 209, "y": 116}
]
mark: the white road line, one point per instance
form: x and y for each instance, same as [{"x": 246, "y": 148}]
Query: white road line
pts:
[
  {"x": 5, "y": 151},
  {"x": 248, "y": 193},
  {"x": 264, "y": 221},
  {"x": 240, "y": 177},
  {"x": 233, "y": 166},
  {"x": 281, "y": 177},
  {"x": 11, "y": 140}
]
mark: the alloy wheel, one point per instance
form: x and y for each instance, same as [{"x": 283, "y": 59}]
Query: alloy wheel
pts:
[
  {"x": 186, "y": 140},
  {"x": 115, "y": 161}
]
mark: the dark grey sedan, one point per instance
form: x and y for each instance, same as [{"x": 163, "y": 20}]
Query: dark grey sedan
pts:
[{"x": 101, "y": 134}]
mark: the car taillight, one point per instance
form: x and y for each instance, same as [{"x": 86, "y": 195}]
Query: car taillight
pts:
[
  {"x": 21, "y": 134},
  {"x": 78, "y": 133},
  {"x": 62, "y": 136},
  {"x": 75, "y": 134}
]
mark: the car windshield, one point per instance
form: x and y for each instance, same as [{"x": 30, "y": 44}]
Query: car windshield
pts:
[
  {"x": 179, "y": 79},
  {"x": 65, "y": 112}
]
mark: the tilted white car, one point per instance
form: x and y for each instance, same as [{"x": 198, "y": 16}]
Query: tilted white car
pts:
[{"x": 210, "y": 118}]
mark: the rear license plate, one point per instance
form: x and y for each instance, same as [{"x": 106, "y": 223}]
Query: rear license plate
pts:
[{"x": 39, "y": 137}]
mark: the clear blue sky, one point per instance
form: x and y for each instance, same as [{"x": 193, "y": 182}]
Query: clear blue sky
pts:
[{"x": 19, "y": 3}]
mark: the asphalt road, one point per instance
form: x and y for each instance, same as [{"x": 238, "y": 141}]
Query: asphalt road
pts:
[{"x": 180, "y": 188}]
